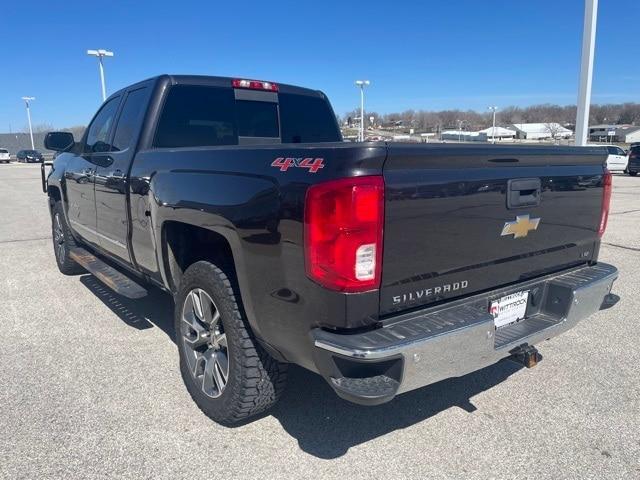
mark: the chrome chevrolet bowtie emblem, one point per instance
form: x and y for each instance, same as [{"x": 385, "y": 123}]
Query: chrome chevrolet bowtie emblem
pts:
[{"x": 520, "y": 227}]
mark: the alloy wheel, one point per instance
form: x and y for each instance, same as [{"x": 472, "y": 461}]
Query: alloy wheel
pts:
[
  {"x": 58, "y": 237},
  {"x": 205, "y": 342}
]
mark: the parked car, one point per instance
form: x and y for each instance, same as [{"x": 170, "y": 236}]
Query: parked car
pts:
[
  {"x": 4, "y": 156},
  {"x": 633, "y": 166},
  {"x": 29, "y": 156},
  {"x": 383, "y": 267},
  {"x": 616, "y": 159}
]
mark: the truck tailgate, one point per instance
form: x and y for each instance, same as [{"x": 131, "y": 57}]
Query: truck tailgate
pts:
[{"x": 460, "y": 219}]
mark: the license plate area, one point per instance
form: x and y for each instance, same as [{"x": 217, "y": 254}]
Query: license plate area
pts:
[{"x": 509, "y": 309}]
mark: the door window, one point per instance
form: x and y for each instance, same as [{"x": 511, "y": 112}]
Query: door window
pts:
[
  {"x": 98, "y": 132},
  {"x": 130, "y": 119},
  {"x": 615, "y": 151}
]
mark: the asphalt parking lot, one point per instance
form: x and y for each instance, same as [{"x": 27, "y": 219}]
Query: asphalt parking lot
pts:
[{"x": 90, "y": 387}]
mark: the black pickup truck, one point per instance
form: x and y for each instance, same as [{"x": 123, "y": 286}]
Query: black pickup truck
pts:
[{"x": 384, "y": 267}]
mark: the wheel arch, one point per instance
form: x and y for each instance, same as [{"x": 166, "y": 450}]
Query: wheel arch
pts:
[
  {"x": 183, "y": 244},
  {"x": 54, "y": 194}
]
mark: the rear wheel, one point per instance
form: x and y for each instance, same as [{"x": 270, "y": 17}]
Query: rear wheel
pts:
[
  {"x": 63, "y": 242},
  {"x": 633, "y": 174},
  {"x": 228, "y": 374}
]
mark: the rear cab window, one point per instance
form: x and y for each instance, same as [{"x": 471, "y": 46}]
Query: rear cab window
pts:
[
  {"x": 200, "y": 116},
  {"x": 196, "y": 116},
  {"x": 307, "y": 119},
  {"x": 257, "y": 119}
]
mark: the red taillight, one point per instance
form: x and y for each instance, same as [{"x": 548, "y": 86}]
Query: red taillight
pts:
[
  {"x": 606, "y": 202},
  {"x": 254, "y": 85},
  {"x": 343, "y": 222}
]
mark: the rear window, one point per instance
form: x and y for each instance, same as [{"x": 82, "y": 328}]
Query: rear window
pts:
[
  {"x": 2, "y": 150},
  {"x": 307, "y": 119},
  {"x": 198, "y": 116},
  {"x": 195, "y": 116},
  {"x": 257, "y": 119}
]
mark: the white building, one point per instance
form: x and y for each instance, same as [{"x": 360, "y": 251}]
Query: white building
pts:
[
  {"x": 463, "y": 136},
  {"x": 540, "y": 131},
  {"x": 499, "y": 133}
]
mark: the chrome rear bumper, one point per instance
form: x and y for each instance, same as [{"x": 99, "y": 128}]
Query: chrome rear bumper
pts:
[{"x": 451, "y": 340}]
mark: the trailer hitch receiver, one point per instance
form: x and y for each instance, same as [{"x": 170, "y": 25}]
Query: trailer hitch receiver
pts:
[{"x": 526, "y": 355}]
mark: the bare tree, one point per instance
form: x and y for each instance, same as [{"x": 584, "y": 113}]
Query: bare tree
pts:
[
  {"x": 436, "y": 121},
  {"x": 554, "y": 129},
  {"x": 42, "y": 128}
]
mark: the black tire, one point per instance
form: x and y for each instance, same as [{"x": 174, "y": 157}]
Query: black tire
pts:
[
  {"x": 63, "y": 242},
  {"x": 633, "y": 174},
  {"x": 254, "y": 380}
]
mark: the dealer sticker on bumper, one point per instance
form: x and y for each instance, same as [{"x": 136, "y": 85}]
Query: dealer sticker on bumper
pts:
[{"x": 509, "y": 309}]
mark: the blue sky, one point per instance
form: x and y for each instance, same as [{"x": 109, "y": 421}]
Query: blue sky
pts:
[{"x": 418, "y": 54}]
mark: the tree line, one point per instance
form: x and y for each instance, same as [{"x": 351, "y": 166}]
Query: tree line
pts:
[{"x": 427, "y": 120}]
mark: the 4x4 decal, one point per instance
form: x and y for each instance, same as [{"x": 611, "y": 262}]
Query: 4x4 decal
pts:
[{"x": 312, "y": 164}]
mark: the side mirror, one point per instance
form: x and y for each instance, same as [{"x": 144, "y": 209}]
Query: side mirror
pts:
[{"x": 59, "y": 141}]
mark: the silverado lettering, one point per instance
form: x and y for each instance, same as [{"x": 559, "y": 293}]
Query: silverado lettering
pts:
[{"x": 428, "y": 292}]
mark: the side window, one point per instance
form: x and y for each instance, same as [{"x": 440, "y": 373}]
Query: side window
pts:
[
  {"x": 619, "y": 151},
  {"x": 197, "y": 116},
  {"x": 98, "y": 132},
  {"x": 130, "y": 118}
]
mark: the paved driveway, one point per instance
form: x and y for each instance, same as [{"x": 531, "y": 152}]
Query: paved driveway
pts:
[{"x": 90, "y": 387}]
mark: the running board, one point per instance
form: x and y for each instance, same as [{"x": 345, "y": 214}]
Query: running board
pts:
[{"x": 111, "y": 277}]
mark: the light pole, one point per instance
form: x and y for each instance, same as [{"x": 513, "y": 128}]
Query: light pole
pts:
[
  {"x": 494, "y": 109},
  {"x": 586, "y": 70},
  {"x": 26, "y": 101},
  {"x": 101, "y": 54},
  {"x": 362, "y": 84}
]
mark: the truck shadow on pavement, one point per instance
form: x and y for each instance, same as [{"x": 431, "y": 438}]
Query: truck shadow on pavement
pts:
[
  {"x": 327, "y": 426},
  {"x": 324, "y": 425}
]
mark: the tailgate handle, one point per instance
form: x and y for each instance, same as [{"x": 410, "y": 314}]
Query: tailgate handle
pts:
[{"x": 524, "y": 192}]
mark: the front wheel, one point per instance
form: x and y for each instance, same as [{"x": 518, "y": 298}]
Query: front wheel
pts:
[
  {"x": 633, "y": 174},
  {"x": 228, "y": 374},
  {"x": 63, "y": 242}
]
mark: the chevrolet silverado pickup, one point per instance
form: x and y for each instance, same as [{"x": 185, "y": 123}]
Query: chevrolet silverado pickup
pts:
[{"x": 383, "y": 267}]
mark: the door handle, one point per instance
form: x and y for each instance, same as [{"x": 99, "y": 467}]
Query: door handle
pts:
[{"x": 525, "y": 192}]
